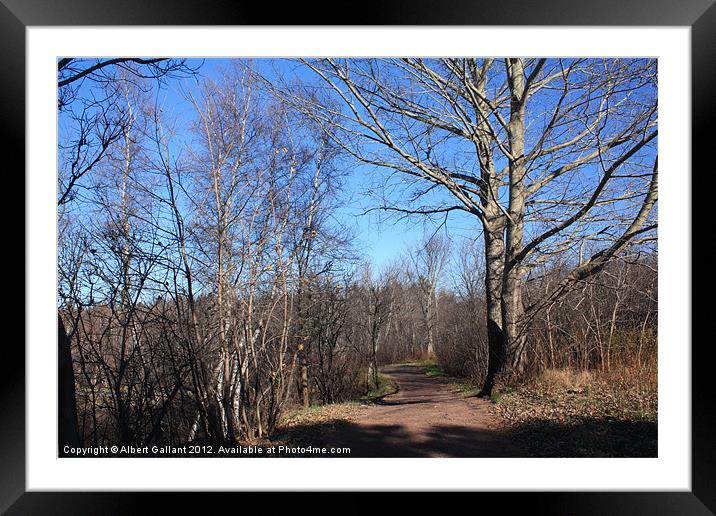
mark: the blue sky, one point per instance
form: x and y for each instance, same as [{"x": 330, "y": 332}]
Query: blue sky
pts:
[
  {"x": 383, "y": 239},
  {"x": 380, "y": 237}
]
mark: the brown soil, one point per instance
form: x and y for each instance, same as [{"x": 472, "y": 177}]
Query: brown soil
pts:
[{"x": 425, "y": 418}]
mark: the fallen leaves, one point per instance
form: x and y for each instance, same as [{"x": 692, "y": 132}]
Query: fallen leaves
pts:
[{"x": 590, "y": 421}]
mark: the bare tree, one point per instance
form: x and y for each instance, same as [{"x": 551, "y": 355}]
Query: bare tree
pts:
[
  {"x": 90, "y": 93},
  {"x": 545, "y": 153},
  {"x": 207, "y": 280},
  {"x": 379, "y": 304},
  {"x": 428, "y": 260}
]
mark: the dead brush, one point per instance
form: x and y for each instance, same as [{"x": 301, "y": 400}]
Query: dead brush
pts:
[
  {"x": 569, "y": 380},
  {"x": 634, "y": 387}
]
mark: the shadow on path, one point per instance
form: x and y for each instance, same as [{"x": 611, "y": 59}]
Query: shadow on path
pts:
[
  {"x": 398, "y": 440},
  {"x": 426, "y": 418}
]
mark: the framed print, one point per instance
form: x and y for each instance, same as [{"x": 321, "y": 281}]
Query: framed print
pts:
[{"x": 287, "y": 252}]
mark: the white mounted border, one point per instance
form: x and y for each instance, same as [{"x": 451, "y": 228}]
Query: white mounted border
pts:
[{"x": 670, "y": 471}]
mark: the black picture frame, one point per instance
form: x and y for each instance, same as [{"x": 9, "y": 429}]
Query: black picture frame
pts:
[{"x": 17, "y": 15}]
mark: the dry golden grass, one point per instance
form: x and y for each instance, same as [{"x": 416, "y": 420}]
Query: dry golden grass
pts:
[
  {"x": 572, "y": 413},
  {"x": 564, "y": 379},
  {"x": 321, "y": 414}
]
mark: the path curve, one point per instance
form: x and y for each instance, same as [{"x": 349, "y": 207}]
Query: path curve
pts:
[{"x": 425, "y": 418}]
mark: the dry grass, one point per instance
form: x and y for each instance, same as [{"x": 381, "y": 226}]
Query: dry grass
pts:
[
  {"x": 570, "y": 413},
  {"x": 321, "y": 414},
  {"x": 314, "y": 425},
  {"x": 565, "y": 379}
]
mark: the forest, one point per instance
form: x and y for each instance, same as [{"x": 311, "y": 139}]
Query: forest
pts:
[{"x": 217, "y": 275}]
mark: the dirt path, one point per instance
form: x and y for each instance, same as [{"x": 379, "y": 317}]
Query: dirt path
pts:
[{"x": 425, "y": 418}]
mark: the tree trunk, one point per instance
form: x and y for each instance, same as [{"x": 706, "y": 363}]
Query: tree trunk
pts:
[
  {"x": 493, "y": 222},
  {"x": 374, "y": 363},
  {"x": 305, "y": 393},
  {"x": 512, "y": 309},
  {"x": 68, "y": 431},
  {"x": 494, "y": 257},
  {"x": 430, "y": 320}
]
